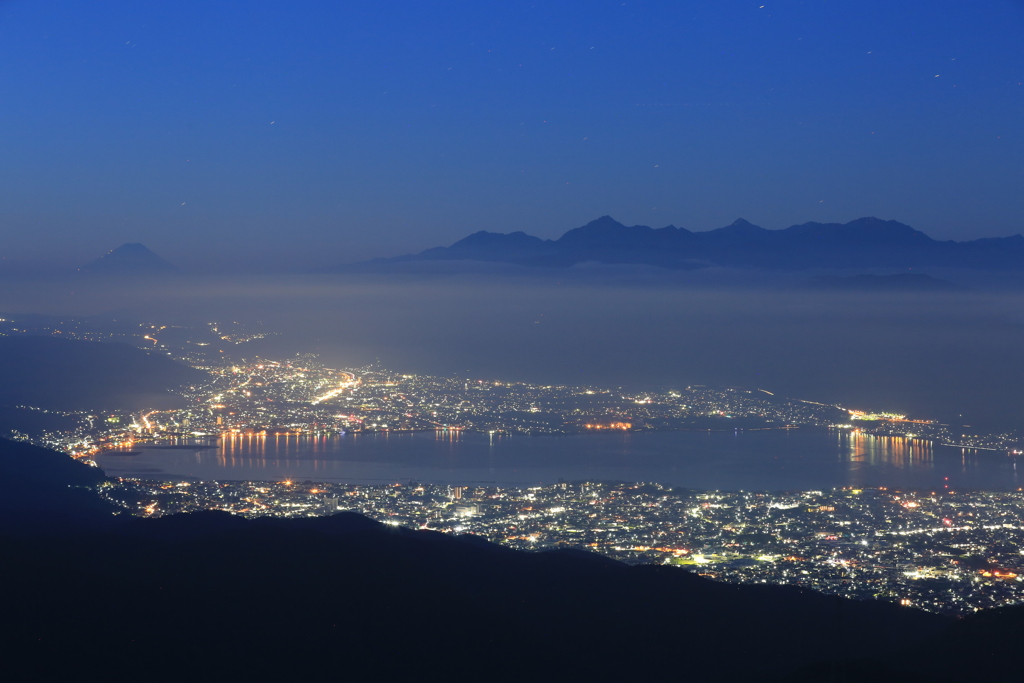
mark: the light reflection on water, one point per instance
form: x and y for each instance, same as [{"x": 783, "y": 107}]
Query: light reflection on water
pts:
[
  {"x": 868, "y": 450},
  {"x": 749, "y": 460}
]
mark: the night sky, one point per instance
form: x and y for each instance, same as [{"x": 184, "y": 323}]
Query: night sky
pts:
[{"x": 273, "y": 135}]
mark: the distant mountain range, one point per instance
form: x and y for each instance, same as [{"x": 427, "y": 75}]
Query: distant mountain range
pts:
[
  {"x": 129, "y": 259},
  {"x": 862, "y": 243}
]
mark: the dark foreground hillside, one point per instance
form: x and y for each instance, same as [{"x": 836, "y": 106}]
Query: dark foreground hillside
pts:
[{"x": 214, "y": 597}]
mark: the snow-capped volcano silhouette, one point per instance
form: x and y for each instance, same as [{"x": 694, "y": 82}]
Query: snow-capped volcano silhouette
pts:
[{"x": 132, "y": 258}]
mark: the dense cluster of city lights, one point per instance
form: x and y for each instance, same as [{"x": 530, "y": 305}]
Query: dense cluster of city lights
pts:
[{"x": 943, "y": 552}]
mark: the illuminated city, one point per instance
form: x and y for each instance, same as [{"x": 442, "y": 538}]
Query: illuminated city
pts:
[
  {"x": 301, "y": 396},
  {"x": 943, "y": 552},
  {"x": 552, "y": 340}
]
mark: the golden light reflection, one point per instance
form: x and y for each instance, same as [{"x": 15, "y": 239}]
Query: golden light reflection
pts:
[
  {"x": 611, "y": 425},
  {"x": 895, "y": 451}
]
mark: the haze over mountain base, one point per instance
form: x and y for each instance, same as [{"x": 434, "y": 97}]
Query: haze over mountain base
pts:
[{"x": 938, "y": 355}]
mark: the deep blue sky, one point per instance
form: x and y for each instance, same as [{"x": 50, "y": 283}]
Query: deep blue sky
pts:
[{"x": 274, "y": 134}]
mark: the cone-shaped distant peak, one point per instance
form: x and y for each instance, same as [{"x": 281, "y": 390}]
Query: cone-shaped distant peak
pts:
[{"x": 132, "y": 258}]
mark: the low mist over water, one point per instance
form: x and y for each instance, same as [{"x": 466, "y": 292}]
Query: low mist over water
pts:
[{"x": 928, "y": 354}]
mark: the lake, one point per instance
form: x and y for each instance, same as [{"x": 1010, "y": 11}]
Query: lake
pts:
[{"x": 762, "y": 460}]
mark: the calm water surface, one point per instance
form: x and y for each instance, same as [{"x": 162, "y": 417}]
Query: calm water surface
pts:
[{"x": 769, "y": 460}]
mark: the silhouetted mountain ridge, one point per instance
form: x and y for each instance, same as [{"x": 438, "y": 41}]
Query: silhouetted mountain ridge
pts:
[
  {"x": 212, "y": 596},
  {"x": 44, "y": 491},
  {"x": 862, "y": 243}
]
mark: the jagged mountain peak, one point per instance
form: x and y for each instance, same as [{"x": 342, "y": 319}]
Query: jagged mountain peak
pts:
[
  {"x": 740, "y": 226},
  {"x": 867, "y": 242},
  {"x": 605, "y": 230},
  {"x": 605, "y": 220},
  {"x": 868, "y": 229},
  {"x": 483, "y": 238}
]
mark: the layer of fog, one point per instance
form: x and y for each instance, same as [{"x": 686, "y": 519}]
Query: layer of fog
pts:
[{"x": 927, "y": 354}]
